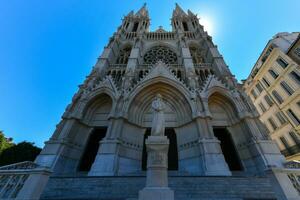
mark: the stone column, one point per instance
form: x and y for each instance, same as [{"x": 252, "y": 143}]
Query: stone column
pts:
[
  {"x": 214, "y": 163},
  {"x": 107, "y": 56},
  {"x": 54, "y": 152},
  {"x": 264, "y": 151},
  {"x": 188, "y": 64},
  {"x": 157, "y": 170},
  {"x": 107, "y": 159},
  {"x": 132, "y": 65}
]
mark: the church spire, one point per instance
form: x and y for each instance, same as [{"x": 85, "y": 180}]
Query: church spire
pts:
[
  {"x": 178, "y": 11},
  {"x": 143, "y": 12}
]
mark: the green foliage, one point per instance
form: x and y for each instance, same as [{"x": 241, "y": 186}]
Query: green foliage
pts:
[
  {"x": 12, "y": 153},
  {"x": 4, "y": 142}
]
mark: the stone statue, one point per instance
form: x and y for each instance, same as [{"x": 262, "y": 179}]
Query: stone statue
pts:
[{"x": 158, "y": 122}]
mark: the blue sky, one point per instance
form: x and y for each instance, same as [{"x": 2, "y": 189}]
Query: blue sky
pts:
[{"x": 47, "y": 48}]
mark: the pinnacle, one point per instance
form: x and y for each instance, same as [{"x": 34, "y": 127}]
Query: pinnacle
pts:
[
  {"x": 178, "y": 11},
  {"x": 143, "y": 11}
]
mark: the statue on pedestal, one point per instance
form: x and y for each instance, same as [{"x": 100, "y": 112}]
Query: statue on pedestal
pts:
[
  {"x": 158, "y": 122},
  {"x": 157, "y": 145}
]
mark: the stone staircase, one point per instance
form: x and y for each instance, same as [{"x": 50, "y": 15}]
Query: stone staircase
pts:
[{"x": 186, "y": 188}]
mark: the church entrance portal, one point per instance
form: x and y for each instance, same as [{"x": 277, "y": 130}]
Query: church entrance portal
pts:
[
  {"x": 228, "y": 149},
  {"x": 91, "y": 149},
  {"x": 172, "y": 153}
]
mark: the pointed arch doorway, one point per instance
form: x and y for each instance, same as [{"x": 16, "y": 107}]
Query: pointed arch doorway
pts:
[
  {"x": 228, "y": 148},
  {"x": 172, "y": 153}
]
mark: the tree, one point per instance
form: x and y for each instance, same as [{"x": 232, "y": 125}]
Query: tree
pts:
[
  {"x": 4, "y": 142},
  {"x": 12, "y": 153}
]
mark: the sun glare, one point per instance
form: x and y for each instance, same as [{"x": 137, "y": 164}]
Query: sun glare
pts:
[{"x": 207, "y": 24}]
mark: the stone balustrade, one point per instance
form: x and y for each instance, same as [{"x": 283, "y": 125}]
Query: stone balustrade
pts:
[
  {"x": 130, "y": 35},
  {"x": 25, "y": 180},
  {"x": 190, "y": 35},
  {"x": 160, "y": 36}
]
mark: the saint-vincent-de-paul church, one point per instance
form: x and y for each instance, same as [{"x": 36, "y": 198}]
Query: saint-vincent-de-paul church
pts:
[{"x": 206, "y": 142}]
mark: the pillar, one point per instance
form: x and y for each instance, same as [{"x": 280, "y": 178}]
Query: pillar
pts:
[
  {"x": 213, "y": 161},
  {"x": 107, "y": 159},
  {"x": 157, "y": 170}
]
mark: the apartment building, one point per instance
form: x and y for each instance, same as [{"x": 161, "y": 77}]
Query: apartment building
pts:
[{"x": 274, "y": 87}]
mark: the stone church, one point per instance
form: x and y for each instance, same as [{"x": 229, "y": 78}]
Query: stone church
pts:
[{"x": 218, "y": 148}]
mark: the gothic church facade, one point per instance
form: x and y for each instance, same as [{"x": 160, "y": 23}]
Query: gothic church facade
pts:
[{"x": 212, "y": 126}]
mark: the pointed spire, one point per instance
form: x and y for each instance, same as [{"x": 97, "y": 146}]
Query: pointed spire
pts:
[
  {"x": 178, "y": 11},
  {"x": 143, "y": 12},
  {"x": 131, "y": 13},
  {"x": 191, "y": 13}
]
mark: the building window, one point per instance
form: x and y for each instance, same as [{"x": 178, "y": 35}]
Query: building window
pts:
[
  {"x": 273, "y": 73},
  {"x": 135, "y": 27},
  {"x": 297, "y": 51},
  {"x": 272, "y": 123},
  {"x": 280, "y": 118},
  {"x": 266, "y": 55},
  {"x": 269, "y": 100},
  {"x": 160, "y": 53},
  {"x": 277, "y": 97},
  {"x": 259, "y": 87},
  {"x": 266, "y": 82},
  {"x": 262, "y": 107},
  {"x": 286, "y": 88},
  {"x": 254, "y": 94},
  {"x": 267, "y": 129},
  {"x": 293, "y": 117},
  {"x": 284, "y": 142},
  {"x": 185, "y": 26},
  {"x": 295, "y": 137},
  {"x": 295, "y": 76},
  {"x": 282, "y": 63},
  {"x": 126, "y": 25}
]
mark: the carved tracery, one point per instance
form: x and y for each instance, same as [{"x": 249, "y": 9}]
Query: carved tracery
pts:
[{"x": 160, "y": 53}]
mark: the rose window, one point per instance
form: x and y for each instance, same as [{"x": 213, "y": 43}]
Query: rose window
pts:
[{"x": 160, "y": 53}]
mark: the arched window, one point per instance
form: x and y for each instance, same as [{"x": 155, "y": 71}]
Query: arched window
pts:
[
  {"x": 196, "y": 55},
  {"x": 124, "y": 55},
  {"x": 160, "y": 53}
]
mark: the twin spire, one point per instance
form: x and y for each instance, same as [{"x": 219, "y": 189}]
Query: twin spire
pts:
[
  {"x": 140, "y": 21},
  {"x": 177, "y": 12}
]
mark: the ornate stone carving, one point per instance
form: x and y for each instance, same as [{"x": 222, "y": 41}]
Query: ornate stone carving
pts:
[{"x": 160, "y": 53}]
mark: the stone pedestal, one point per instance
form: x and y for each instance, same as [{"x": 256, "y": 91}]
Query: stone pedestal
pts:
[
  {"x": 34, "y": 184},
  {"x": 157, "y": 170}
]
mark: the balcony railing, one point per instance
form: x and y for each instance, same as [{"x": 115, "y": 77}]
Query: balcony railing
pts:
[
  {"x": 190, "y": 35},
  {"x": 160, "y": 36}
]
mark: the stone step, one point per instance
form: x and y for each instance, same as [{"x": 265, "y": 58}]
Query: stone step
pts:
[{"x": 185, "y": 188}]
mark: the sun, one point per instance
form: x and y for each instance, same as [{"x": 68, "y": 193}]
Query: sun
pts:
[{"x": 207, "y": 23}]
